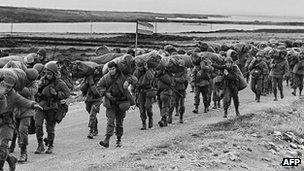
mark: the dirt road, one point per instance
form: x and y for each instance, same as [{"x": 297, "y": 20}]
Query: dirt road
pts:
[{"x": 73, "y": 151}]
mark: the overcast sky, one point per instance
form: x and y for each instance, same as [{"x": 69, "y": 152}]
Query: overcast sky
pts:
[{"x": 230, "y": 7}]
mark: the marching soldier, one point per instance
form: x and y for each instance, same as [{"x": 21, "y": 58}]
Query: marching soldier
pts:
[
  {"x": 257, "y": 68},
  {"x": 164, "y": 94},
  {"x": 10, "y": 99},
  {"x": 50, "y": 93},
  {"x": 145, "y": 93},
  {"x": 230, "y": 85},
  {"x": 178, "y": 97},
  {"x": 117, "y": 100},
  {"x": 203, "y": 85},
  {"x": 298, "y": 71},
  {"x": 92, "y": 101}
]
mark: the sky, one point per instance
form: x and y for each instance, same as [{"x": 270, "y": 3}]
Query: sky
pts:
[{"x": 224, "y": 7}]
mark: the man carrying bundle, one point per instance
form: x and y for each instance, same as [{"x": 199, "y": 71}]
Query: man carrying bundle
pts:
[
  {"x": 144, "y": 92},
  {"x": 257, "y": 69},
  {"x": 117, "y": 100},
  {"x": 9, "y": 99}
]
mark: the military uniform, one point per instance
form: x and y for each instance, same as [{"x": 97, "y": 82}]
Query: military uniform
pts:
[
  {"x": 92, "y": 101},
  {"x": 164, "y": 94},
  {"x": 145, "y": 92},
  {"x": 117, "y": 100},
  {"x": 50, "y": 94},
  {"x": 178, "y": 97},
  {"x": 298, "y": 72},
  {"x": 257, "y": 69}
]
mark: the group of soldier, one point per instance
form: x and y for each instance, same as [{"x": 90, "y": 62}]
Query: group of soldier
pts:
[{"x": 48, "y": 85}]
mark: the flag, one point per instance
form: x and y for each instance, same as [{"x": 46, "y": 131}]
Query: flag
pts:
[{"x": 145, "y": 28}]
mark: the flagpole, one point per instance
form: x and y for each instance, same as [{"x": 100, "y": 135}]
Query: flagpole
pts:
[{"x": 136, "y": 36}]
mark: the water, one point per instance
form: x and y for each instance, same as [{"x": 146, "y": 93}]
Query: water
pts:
[{"x": 124, "y": 27}]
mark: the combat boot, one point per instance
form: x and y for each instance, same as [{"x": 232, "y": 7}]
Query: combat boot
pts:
[
  {"x": 11, "y": 160},
  {"x": 219, "y": 104},
  {"x": 163, "y": 122},
  {"x": 195, "y": 109},
  {"x": 206, "y": 108},
  {"x": 118, "y": 142},
  {"x": 225, "y": 113},
  {"x": 258, "y": 98},
  {"x": 282, "y": 95},
  {"x": 181, "y": 118},
  {"x": 294, "y": 92},
  {"x": 215, "y": 105},
  {"x": 144, "y": 125},
  {"x": 40, "y": 148},
  {"x": 237, "y": 111},
  {"x": 275, "y": 97},
  {"x": 105, "y": 142},
  {"x": 90, "y": 135},
  {"x": 150, "y": 122},
  {"x": 50, "y": 148},
  {"x": 23, "y": 156},
  {"x": 169, "y": 120}
]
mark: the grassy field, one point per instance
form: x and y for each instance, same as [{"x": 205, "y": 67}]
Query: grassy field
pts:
[{"x": 17, "y": 14}]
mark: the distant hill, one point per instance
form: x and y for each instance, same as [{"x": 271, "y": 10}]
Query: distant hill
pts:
[{"x": 18, "y": 14}]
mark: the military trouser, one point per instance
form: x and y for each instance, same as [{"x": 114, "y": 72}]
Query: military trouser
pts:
[
  {"x": 298, "y": 82},
  {"x": 256, "y": 85},
  {"x": 205, "y": 91},
  {"x": 277, "y": 82},
  {"x": 6, "y": 135},
  {"x": 115, "y": 118},
  {"x": 145, "y": 106},
  {"x": 231, "y": 92},
  {"x": 216, "y": 93},
  {"x": 93, "y": 109},
  {"x": 164, "y": 99},
  {"x": 49, "y": 117},
  {"x": 177, "y": 102},
  {"x": 22, "y": 125}
]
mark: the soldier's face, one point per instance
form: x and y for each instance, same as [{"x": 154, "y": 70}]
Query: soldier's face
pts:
[
  {"x": 228, "y": 64},
  {"x": 49, "y": 75},
  {"x": 112, "y": 70}
]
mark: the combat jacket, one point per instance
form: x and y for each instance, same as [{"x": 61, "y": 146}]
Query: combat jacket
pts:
[
  {"x": 89, "y": 89},
  {"x": 257, "y": 68},
  {"x": 279, "y": 68},
  {"x": 145, "y": 80},
  {"x": 28, "y": 92}
]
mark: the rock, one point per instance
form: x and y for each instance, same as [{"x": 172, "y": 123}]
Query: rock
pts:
[
  {"x": 299, "y": 153},
  {"x": 271, "y": 145},
  {"x": 292, "y": 153},
  {"x": 288, "y": 137},
  {"x": 266, "y": 159},
  {"x": 277, "y": 133},
  {"x": 301, "y": 147},
  {"x": 234, "y": 145},
  {"x": 254, "y": 135},
  {"x": 215, "y": 155},
  {"x": 232, "y": 157},
  {"x": 163, "y": 152},
  {"x": 301, "y": 141},
  {"x": 182, "y": 156},
  {"x": 226, "y": 151},
  {"x": 223, "y": 162},
  {"x": 294, "y": 146},
  {"x": 273, "y": 151},
  {"x": 244, "y": 166},
  {"x": 249, "y": 149}
]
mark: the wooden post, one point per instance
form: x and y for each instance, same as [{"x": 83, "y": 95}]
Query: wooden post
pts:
[
  {"x": 136, "y": 37},
  {"x": 12, "y": 28}
]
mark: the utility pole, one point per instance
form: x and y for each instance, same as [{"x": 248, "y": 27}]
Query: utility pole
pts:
[{"x": 12, "y": 27}]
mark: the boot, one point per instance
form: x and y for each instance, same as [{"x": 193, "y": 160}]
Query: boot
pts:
[
  {"x": 275, "y": 97},
  {"x": 163, "y": 122},
  {"x": 282, "y": 95},
  {"x": 90, "y": 135},
  {"x": 46, "y": 142},
  {"x": 206, "y": 108},
  {"x": 258, "y": 98},
  {"x": 105, "y": 142},
  {"x": 225, "y": 113},
  {"x": 294, "y": 92},
  {"x": 195, "y": 109},
  {"x": 144, "y": 125},
  {"x": 181, "y": 119},
  {"x": 23, "y": 156},
  {"x": 40, "y": 148},
  {"x": 50, "y": 148},
  {"x": 219, "y": 104},
  {"x": 169, "y": 120},
  {"x": 237, "y": 111},
  {"x": 118, "y": 142},
  {"x": 11, "y": 160},
  {"x": 150, "y": 122}
]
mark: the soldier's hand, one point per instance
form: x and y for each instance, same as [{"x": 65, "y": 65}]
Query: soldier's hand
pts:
[
  {"x": 225, "y": 72},
  {"x": 126, "y": 85},
  {"x": 37, "y": 106},
  {"x": 110, "y": 96},
  {"x": 133, "y": 107}
]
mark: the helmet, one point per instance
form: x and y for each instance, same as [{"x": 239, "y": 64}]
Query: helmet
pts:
[
  {"x": 30, "y": 58},
  {"x": 42, "y": 52},
  {"x": 228, "y": 59},
  {"x": 39, "y": 67},
  {"x": 31, "y": 74},
  {"x": 52, "y": 66}
]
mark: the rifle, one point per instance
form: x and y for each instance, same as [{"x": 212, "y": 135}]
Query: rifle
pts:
[{"x": 172, "y": 88}]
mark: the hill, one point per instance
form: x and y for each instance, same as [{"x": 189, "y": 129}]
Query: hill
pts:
[{"x": 18, "y": 15}]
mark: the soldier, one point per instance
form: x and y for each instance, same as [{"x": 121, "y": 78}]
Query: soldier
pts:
[
  {"x": 279, "y": 70},
  {"x": 179, "y": 94},
  {"x": 216, "y": 93},
  {"x": 202, "y": 84},
  {"x": 92, "y": 101},
  {"x": 298, "y": 71},
  {"x": 230, "y": 85},
  {"x": 164, "y": 94},
  {"x": 117, "y": 100},
  {"x": 257, "y": 68},
  {"x": 11, "y": 99},
  {"x": 145, "y": 92},
  {"x": 41, "y": 56},
  {"x": 23, "y": 116},
  {"x": 50, "y": 93}
]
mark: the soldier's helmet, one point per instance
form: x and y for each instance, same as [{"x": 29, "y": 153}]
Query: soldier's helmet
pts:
[
  {"x": 42, "y": 52},
  {"x": 31, "y": 74},
  {"x": 52, "y": 66},
  {"x": 39, "y": 67}
]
